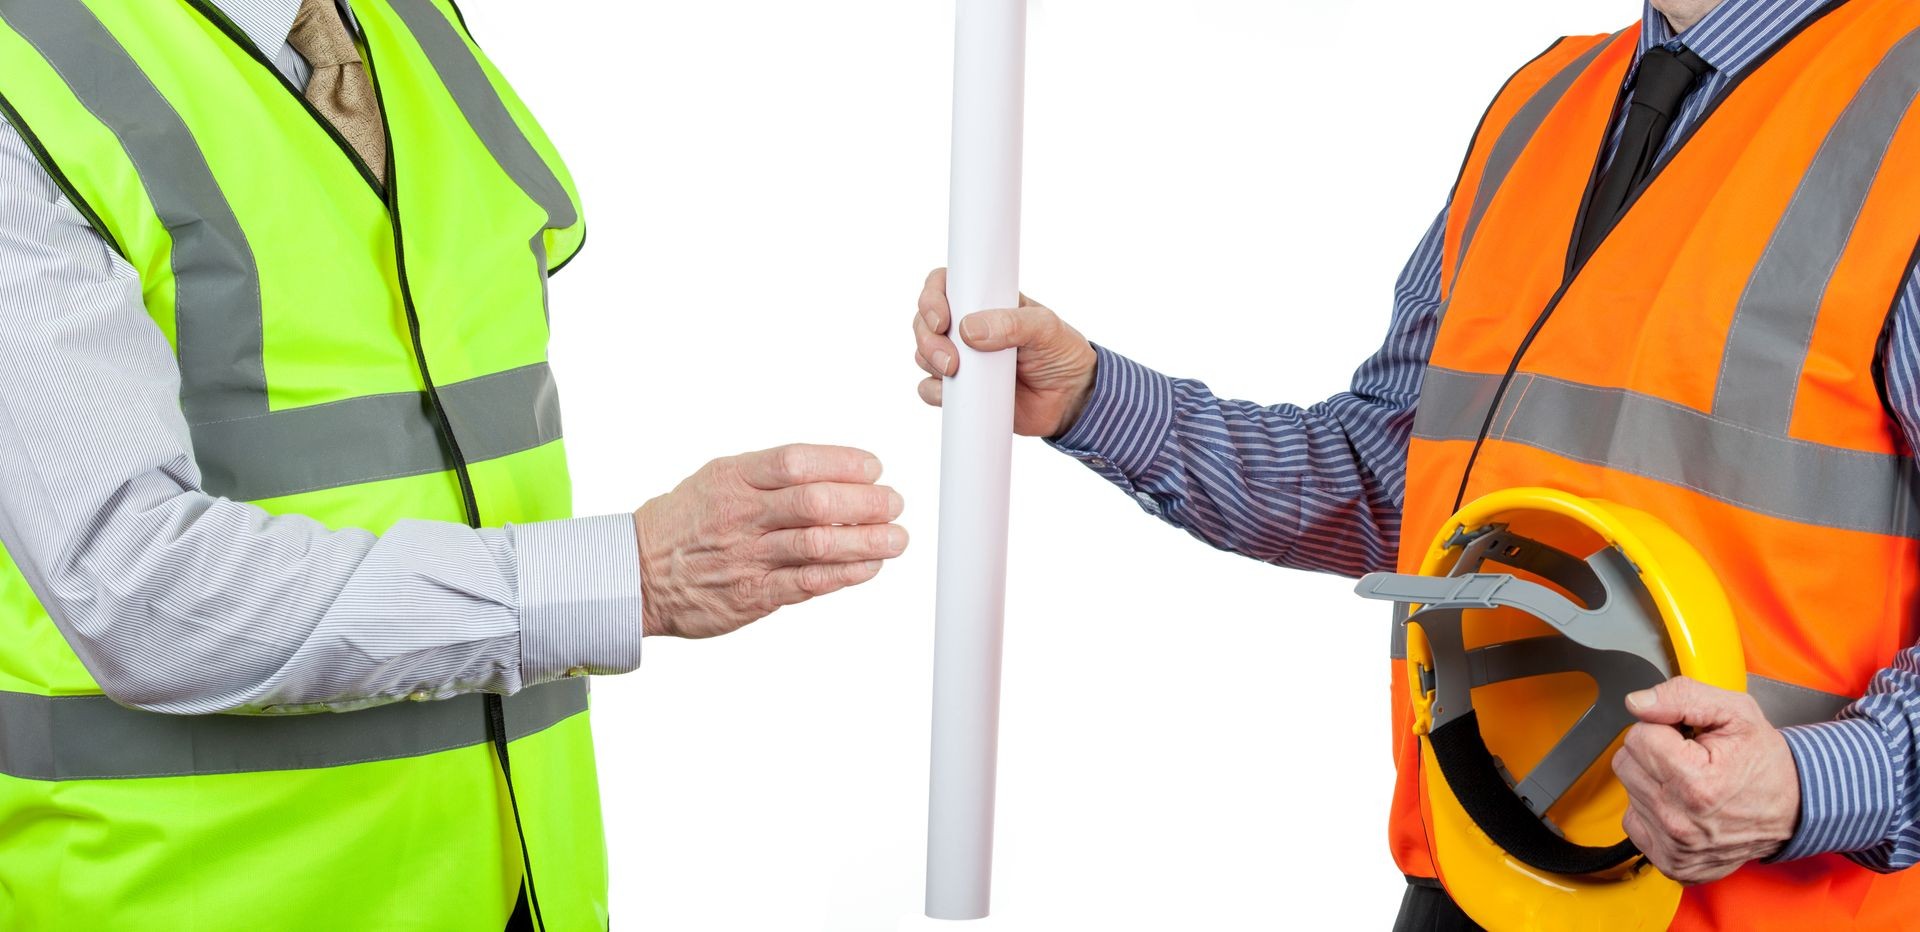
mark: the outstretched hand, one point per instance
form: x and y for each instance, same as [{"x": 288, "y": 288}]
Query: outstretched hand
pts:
[{"x": 748, "y": 534}]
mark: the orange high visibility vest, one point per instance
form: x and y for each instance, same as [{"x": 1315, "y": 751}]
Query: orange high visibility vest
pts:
[{"x": 1712, "y": 363}]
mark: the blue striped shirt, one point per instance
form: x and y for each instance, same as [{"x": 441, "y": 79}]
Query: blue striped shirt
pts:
[{"x": 1321, "y": 487}]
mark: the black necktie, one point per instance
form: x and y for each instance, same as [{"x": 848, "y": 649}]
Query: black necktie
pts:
[{"x": 1662, "y": 82}]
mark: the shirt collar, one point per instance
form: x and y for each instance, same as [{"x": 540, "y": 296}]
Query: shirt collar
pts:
[
  {"x": 267, "y": 22},
  {"x": 1733, "y": 35}
]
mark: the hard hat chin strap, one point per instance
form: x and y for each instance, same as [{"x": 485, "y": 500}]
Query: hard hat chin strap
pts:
[{"x": 1617, "y": 638}]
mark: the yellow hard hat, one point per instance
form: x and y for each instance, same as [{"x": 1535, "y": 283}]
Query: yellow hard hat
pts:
[{"x": 1533, "y": 615}]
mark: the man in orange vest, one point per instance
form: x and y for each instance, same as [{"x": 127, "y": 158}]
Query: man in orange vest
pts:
[{"x": 1676, "y": 272}]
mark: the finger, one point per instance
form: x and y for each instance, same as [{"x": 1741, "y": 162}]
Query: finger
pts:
[
  {"x": 1641, "y": 786},
  {"x": 932, "y": 390},
  {"x": 1009, "y": 328},
  {"x": 936, "y": 353},
  {"x": 1662, "y": 752},
  {"x": 1636, "y": 828},
  {"x": 1686, "y": 701},
  {"x": 933, "y": 302},
  {"x": 802, "y": 463},
  {"x": 1639, "y": 825},
  {"x": 795, "y": 584},
  {"x": 843, "y": 544},
  {"x": 822, "y": 503}
]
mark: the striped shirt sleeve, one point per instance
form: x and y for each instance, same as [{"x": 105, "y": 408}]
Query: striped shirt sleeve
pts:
[
  {"x": 1860, "y": 774},
  {"x": 178, "y": 601},
  {"x": 1316, "y": 488}
]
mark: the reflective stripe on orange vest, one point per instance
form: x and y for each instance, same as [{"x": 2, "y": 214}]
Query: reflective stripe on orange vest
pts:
[{"x": 1712, "y": 363}]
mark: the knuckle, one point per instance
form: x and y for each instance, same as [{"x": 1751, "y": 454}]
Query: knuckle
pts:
[
  {"x": 816, "y": 579},
  {"x": 815, "y": 544},
  {"x": 818, "y": 503},
  {"x": 1679, "y": 828},
  {"x": 731, "y": 512},
  {"x": 746, "y": 592},
  {"x": 1636, "y": 740},
  {"x": 790, "y": 462},
  {"x": 1696, "y": 795}
]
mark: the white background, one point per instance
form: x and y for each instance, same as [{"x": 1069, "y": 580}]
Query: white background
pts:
[{"x": 1225, "y": 190}]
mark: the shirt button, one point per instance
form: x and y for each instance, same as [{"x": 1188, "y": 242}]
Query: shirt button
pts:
[
  {"x": 419, "y": 695},
  {"x": 1098, "y": 462},
  {"x": 576, "y": 671}
]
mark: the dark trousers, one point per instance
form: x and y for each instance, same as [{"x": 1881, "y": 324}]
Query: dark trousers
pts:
[{"x": 1426, "y": 907}]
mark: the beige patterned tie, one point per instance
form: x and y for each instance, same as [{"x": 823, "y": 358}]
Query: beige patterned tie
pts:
[{"x": 339, "y": 88}]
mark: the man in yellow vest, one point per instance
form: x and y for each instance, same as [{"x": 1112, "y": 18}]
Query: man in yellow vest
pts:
[
  {"x": 278, "y": 437},
  {"x": 1676, "y": 272}
]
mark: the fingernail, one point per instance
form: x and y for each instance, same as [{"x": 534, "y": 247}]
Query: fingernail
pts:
[
  {"x": 940, "y": 360},
  {"x": 932, "y": 319},
  {"x": 872, "y": 468},
  {"x": 896, "y": 540},
  {"x": 873, "y": 566},
  {"x": 895, "y": 504},
  {"x": 1641, "y": 700},
  {"x": 978, "y": 327}
]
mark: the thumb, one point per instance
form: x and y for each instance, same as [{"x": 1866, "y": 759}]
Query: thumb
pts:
[
  {"x": 1684, "y": 701},
  {"x": 1008, "y": 328}
]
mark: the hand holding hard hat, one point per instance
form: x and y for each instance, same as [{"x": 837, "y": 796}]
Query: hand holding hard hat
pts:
[
  {"x": 1534, "y": 617},
  {"x": 1700, "y": 807}
]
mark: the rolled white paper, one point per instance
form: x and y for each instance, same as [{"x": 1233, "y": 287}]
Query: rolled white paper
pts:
[{"x": 983, "y": 271}]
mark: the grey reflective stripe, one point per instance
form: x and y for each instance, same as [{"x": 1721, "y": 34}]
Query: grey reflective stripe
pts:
[
  {"x": 1786, "y": 704},
  {"x": 93, "y": 738},
  {"x": 375, "y": 437},
  {"x": 503, "y": 413},
  {"x": 1773, "y": 323},
  {"x": 481, "y": 104},
  {"x": 216, "y": 284},
  {"x": 1783, "y": 477},
  {"x": 1514, "y": 138},
  {"x": 1453, "y": 405}
]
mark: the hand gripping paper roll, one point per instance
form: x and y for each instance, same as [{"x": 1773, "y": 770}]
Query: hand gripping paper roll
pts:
[{"x": 983, "y": 260}]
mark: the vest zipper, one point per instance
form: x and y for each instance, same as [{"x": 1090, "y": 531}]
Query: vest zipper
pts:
[
  {"x": 1575, "y": 264},
  {"x": 494, "y": 708}
]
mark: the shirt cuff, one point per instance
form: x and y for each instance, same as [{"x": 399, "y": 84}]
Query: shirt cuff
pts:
[
  {"x": 579, "y": 597},
  {"x": 1125, "y": 422},
  {"x": 1846, "y": 787}
]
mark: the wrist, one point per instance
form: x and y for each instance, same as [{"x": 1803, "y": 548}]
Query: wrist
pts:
[
  {"x": 652, "y": 620},
  {"x": 1076, "y": 404}
]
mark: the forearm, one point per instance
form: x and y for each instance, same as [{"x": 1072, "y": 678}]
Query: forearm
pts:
[
  {"x": 179, "y": 602},
  {"x": 1315, "y": 487},
  {"x": 1860, "y": 775}
]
